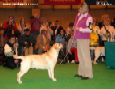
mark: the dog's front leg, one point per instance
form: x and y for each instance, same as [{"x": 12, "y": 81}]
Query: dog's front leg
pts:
[
  {"x": 19, "y": 75},
  {"x": 52, "y": 74},
  {"x": 49, "y": 73}
]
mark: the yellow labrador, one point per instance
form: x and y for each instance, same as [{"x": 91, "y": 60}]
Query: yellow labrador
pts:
[{"x": 46, "y": 60}]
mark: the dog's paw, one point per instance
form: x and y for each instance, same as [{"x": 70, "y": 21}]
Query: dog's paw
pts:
[
  {"x": 54, "y": 79},
  {"x": 19, "y": 82}
]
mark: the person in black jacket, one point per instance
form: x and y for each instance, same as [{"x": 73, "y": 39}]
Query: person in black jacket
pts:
[
  {"x": 25, "y": 41},
  {"x": 10, "y": 48}
]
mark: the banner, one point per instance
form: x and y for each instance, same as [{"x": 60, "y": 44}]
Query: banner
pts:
[
  {"x": 11, "y": 1},
  {"x": 18, "y": 2},
  {"x": 62, "y": 2}
]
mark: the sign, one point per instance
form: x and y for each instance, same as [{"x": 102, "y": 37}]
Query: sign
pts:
[
  {"x": 18, "y": 2},
  {"x": 100, "y": 2},
  {"x": 62, "y": 2},
  {"x": 11, "y": 1}
]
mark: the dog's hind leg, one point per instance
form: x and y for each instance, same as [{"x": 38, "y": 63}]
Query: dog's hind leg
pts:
[
  {"x": 21, "y": 73},
  {"x": 19, "y": 76}
]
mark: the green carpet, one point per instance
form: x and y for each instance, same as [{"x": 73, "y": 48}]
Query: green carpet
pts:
[{"x": 38, "y": 79}]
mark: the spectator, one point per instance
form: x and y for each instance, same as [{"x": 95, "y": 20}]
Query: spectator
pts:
[
  {"x": 42, "y": 43},
  {"x": 60, "y": 38},
  {"x": 21, "y": 25},
  {"x": 10, "y": 28},
  {"x": 107, "y": 31},
  {"x": 9, "y": 50},
  {"x": 35, "y": 27},
  {"x": 25, "y": 43}
]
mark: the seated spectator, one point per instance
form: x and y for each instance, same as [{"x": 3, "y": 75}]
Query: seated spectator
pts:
[
  {"x": 25, "y": 43},
  {"x": 113, "y": 22},
  {"x": 61, "y": 38},
  {"x": 53, "y": 28},
  {"x": 107, "y": 31},
  {"x": 72, "y": 50},
  {"x": 69, "y": 29},
  {"x": 58, "y": 27},
  {"x": 94, "y": 35},
  {"x": 9, "y": 50},
  {"x": 42, "y": 43},
  {"x": 45, "y": 26}
]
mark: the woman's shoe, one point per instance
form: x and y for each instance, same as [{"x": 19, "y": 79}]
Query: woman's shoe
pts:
[
  {"x": 85, "y": 78},
  {"x": 76, "y": 75}
]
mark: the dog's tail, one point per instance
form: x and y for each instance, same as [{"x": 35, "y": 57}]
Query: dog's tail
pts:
[{"x": 18, "y": 57}]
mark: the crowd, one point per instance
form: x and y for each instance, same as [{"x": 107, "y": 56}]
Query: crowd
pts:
[{"x": 36, "y": 37}]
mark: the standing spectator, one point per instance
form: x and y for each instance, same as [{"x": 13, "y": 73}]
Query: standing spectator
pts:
[
  {"x": 21, "y": 25},
  {"x": 10, "y": 28},
  {"x": 35, "y": 27}
]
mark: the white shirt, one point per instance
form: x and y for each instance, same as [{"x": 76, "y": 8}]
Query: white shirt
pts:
[
  {"x": 110, "y": 29},
  {"x": 8, "y": 50}
]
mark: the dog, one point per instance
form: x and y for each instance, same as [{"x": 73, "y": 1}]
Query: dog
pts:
[
  {"x": 46, "y": 60},
  {"x": 99, "y": 51}
]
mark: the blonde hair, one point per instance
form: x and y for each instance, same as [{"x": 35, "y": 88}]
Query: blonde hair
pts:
[{"x": 84, "y": 7}]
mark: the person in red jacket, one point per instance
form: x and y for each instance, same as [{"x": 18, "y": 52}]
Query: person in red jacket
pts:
[{"x": 10, "y": 28}]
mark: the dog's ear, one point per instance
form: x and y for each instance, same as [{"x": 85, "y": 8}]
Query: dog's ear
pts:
[
  {"x": 55, "y": 45},
  {"x": 58, "y": 45}
]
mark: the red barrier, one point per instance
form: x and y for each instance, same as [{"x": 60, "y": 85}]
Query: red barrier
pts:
[{"x": 62, "y": 2}]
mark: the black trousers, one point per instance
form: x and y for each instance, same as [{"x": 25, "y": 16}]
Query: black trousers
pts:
[{"x": 9, "y": 62}]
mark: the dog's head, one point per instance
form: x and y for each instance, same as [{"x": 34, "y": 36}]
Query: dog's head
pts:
[{"x": 58, "y": 46}]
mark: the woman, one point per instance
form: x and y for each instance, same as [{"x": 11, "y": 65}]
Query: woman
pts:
[
  {"x": 107, "y": 31},
  {"x": 82, "y": 36},
  {"x": 42, "y": 43}
]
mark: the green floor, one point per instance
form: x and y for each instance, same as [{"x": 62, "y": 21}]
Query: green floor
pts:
[{"x": 38, "y": 79}]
